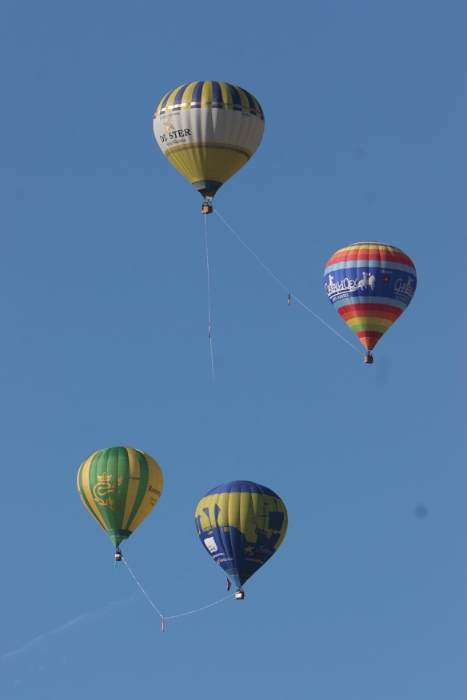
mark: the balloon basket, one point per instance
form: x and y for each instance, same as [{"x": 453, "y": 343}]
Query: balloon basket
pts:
[
  {"x": 206, "y": 208},
  {"x": 239, "y": 595},
  {"x": 368, "y": 359}
]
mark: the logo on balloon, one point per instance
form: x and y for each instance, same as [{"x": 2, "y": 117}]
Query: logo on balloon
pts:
[
  {"x": 176, "y": 136},
  {"x": 115, "y": 499},
  {"x": 169, "y": 124},
  {"x": 211, "y": 544},
  {"x": 404, "y": 289},
  {"x": 346, "y": 286}
]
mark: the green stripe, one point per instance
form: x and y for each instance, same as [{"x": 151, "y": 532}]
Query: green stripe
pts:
[
  {"x": 114, "y": 461},
  {"x": 362, "y": 327},
  {"x": 142, "y": 487},
  {"x": 118, "y": 536}
]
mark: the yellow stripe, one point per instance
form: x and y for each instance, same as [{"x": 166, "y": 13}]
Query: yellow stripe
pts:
[
  {"x": 216, "y": 162},
  {"x": 245, "y": 103},
  {"x": 133, "y": 483},
  {"x": 156, "y": 480},
  {"x": 375, "y": 324},
  {"x": 206, "y": 93},
  {"x": 370, "y": 246},
  {"x": 188, "y": 94},
  {"x": 226, "y": 96},
  {"x": 170, "y": 102},
  {"x": 200, "y": 145},
  {"x": 150, "y": 498},
  {"x": 85, "y": 481}
]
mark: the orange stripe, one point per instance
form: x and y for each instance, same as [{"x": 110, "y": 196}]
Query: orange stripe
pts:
[{"x": 389, "y": 315}]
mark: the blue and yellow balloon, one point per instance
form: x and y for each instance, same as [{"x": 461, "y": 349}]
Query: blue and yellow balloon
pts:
[{"x": 241, "y": 525}]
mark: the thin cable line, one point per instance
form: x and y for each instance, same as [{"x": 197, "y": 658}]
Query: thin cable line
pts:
[
  {"x": 286, "y": 288},
  {"x": 142, "y": 589},
  {"x": 172, "y": 617},
  {"x": 209, "y": 293}
]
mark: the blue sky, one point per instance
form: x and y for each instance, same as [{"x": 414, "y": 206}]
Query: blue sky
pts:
[{"x": 104, "y": 342}]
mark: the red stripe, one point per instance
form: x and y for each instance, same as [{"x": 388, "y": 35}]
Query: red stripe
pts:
[
  {"x": 354, "y": 256},
  {"x": 369, "y": 307},
  {"x": 391, "y": 313},
  {"x": 364, "y": 254}
]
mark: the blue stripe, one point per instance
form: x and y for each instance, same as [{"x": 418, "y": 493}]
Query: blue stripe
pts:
[
  {"x": 349, "y": 265},
  {"x": 196, "y": 98},
  {"x": 251, "y": 102},
  {"x": 217, "y": 101},
  {"x": 260, "y": 113},
  {"x": 375, "y": 283},
  {"x": 242, "y": 487},
  {"x": 164, "y": 101},
  {"x": 179, "y": 96},
  {"x": 357, "y": 299},
  {"x": 236, "y": 99}
]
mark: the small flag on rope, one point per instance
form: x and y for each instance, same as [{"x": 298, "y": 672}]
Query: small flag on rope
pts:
[
  {"x": 228, "y": 584},
  {"x": 163, "y": 624},
  {"x": 288, "y": 300}
]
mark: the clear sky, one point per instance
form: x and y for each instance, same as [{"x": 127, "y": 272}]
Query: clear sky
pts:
[{"x": 104, "y": 342}]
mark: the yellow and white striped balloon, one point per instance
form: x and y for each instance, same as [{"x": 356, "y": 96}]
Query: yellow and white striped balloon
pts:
[{"x": 208, "y": 131}]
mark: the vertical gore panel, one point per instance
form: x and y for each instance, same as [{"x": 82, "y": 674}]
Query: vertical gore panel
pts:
[
  {"x": 134, "y": 478},
  {"x": 236, "y": 99},
  {"x": 133, "y": 521},
  {"x": 85, "y": 491},
  {"x": 217, "y": 100},
  {"x": 178, "y": 98},
  {"x": 196, "y": 97},
  {"x": 164, "y": 101}
]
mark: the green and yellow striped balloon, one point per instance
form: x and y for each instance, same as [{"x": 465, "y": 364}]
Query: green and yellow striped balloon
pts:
[{"x": 119, "y": 486}]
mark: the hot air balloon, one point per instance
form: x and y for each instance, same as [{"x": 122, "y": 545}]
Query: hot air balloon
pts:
[
  {"x": 208, "y": 130},
  {"x": 119, "y": 486},
  {"x": 370, "y": 284},
  {"x": 241, "y": 524}
]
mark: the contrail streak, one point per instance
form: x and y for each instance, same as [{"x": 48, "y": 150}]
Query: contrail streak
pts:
[
  {"x": 46, "y": 635},
  {"x": 72, "y": 623}
]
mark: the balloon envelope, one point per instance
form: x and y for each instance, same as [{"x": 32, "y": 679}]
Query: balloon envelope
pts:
[
  {"x": 370, "y": 284},
  {"x": 208, "y": 130},
  {"x": 241, "y": 524},
  {"x": 119, "y": 486}
]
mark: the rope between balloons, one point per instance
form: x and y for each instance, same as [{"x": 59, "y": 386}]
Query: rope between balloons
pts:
[
  {"x": 172, "y": 617},
  {"x": 286, "y": 289}
]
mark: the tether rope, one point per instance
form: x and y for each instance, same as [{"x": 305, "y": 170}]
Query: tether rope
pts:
[
  {"x": 142, "y": 589},
  {"x": 209, "y": 293},
  {"x": 284, "y": 287},
  {"x": 172, "y": 617}
]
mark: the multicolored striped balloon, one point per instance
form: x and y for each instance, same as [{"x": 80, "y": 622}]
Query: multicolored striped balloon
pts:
[
  {"x": 119, "y": 486},
  {"x": 208, "y": 131},
  {"x": 370, "y": 284},
  {"x": 241, "y": 524}
]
